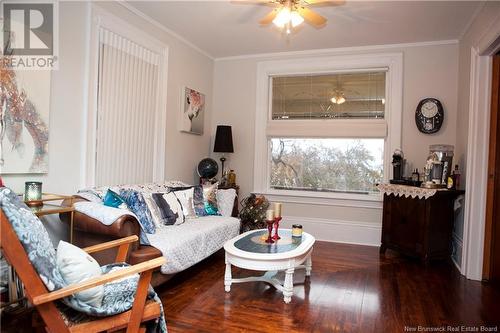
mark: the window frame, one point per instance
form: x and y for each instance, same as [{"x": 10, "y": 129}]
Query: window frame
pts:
[{"x": 388, "y": 128}]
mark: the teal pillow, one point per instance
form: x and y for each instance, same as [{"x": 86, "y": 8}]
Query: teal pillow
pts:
[{"x": 113, "y": 199}]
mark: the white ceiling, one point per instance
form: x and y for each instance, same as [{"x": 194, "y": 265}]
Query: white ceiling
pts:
[{"x": 223, "y": 29}]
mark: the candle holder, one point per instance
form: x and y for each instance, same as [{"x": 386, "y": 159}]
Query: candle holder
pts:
[
  {"x": 33, "y": 194},
  {"x": 276, "y": 227},
  {"x": 269, "y": 231}
]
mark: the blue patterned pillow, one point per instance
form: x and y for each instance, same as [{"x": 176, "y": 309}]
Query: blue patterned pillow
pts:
[
  {"x": 138, "y": 206},
  {"x": 199, "y": 205}
]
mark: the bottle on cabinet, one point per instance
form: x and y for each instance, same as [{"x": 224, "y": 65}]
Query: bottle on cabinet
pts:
[{"x": 456, "y": 177}]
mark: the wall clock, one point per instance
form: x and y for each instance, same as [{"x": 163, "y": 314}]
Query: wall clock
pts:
[{"x": 429, "y": 115}]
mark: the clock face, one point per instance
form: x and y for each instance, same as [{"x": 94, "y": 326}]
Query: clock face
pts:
[
  {"x": 429, "y": 109},
  {"x": 429, "y": 115}
]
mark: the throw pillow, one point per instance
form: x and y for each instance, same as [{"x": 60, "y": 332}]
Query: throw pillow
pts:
[
  {"x": 210, "y": 199},
  {"x": 138, "y": 206},
  {"x": 76, "y": 265},
  {"x": 225, "y": 201},
  {"x": 113, "y": 199},
  {"x": 169, "y": 207},
  {"x": 199, "y": 206},
  {"x": 186, "y": 198},
  {"x": 157, "y": 215}
]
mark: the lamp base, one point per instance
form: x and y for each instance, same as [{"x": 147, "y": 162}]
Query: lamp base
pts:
[{"x": 222, "y": 160}]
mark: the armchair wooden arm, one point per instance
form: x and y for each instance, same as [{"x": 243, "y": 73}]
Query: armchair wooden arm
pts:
[
  {"x": 122, "y": 243},
  {"x": 90, "y": 283}
]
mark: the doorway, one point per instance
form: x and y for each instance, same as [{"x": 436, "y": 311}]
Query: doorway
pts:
[{"x": 491, "y": 263}]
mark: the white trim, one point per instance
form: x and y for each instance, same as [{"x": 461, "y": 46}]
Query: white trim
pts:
[
  {"x": 338, "y": 231},
  {"x": 394, "y": 97},
  {"x": 323, "y": 199},
  {"x": 86, "y": 100},
  {"x": 157, "y": 24},
  {"x": 471, "y": 20},
  {"x": 102, "y": 18},
  {"x": 330, "y": 51},
  {"x": 476, "y": 174}
]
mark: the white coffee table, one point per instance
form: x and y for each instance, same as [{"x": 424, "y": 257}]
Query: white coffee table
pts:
[{"x": 249, "y": 251}]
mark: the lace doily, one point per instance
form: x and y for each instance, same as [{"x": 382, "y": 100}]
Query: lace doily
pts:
[{"x": 407, "y": 191}]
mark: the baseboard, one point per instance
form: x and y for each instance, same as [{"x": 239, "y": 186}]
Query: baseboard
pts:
[{"x": 339, "y": 231}]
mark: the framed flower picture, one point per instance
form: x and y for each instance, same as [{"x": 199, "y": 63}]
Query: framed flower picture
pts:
[{"x": 193, "y": 111}]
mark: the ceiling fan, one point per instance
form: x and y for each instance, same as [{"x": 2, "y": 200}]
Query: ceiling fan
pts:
[{"x": 289, "y": 14}]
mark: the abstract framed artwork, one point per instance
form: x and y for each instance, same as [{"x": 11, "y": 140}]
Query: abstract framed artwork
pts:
[
  {"x": 24, "y": 120},
  {"x": 193, "y": 111}
]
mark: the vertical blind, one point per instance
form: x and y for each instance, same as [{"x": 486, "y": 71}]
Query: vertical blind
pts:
[{"x": 127, "y": 104}]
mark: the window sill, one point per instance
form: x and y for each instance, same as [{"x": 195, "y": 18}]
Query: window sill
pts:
[{"x": 371, "y": 201}]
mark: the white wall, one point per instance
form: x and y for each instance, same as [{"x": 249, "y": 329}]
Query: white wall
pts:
[
  {"x": 186, "y": 66},
  {"x": 429, "y": 71}
]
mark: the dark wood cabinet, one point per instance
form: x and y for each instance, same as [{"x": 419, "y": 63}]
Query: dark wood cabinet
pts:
[{"x": 419, "y": 228}]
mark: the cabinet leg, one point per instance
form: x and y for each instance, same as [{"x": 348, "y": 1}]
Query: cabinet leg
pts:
[{"x": 382, "y": 249}]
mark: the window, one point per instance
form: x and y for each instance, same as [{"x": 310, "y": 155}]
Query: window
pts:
[
  {"x": 327, "y": 127},
  {"x": 346, "y": 95},
  {"x": 127, "y": 135},
  {"x": 326, "y": 165}
]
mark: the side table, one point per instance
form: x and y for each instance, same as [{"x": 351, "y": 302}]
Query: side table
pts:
[{"x": 51, "y": 208}]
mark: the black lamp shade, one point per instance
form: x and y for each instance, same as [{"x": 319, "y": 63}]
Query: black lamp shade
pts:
[{"x": 223, "y": 140}]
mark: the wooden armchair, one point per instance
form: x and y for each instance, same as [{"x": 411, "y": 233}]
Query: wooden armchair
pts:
[{"x": 44, "y": 301}]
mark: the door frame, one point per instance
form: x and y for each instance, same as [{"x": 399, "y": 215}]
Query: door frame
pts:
[
  {"x": 477, "y": 153},
  {"x": 492, "y": 165}
]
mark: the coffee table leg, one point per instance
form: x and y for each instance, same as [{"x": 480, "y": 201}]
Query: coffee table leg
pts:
[
  {"x": 288, "y": 286},
  {"x": 309, "y": 265},
  {"x": 227, "y": 277}
]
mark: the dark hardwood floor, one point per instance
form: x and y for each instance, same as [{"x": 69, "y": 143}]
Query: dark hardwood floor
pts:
[{"x": 352, "y": 289}]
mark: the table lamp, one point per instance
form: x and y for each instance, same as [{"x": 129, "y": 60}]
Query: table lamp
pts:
[{"x": 223, "y": 142}]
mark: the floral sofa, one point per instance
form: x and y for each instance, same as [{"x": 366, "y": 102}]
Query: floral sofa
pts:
[{"x": 182, "y": 245}]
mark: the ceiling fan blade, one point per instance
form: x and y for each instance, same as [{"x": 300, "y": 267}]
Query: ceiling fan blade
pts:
[
  {"x": 312, "y": 17},
  {"x": 324, "y": 2},
  {"x": 269, "y": 17},
  {"x": 255, "y": 2}
]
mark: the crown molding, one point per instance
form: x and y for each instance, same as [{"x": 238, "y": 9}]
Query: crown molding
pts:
[
  {"x": 471, "y": 20},
  {"x": 330, "y": 51},
  {"x": 162, "y": 27}
]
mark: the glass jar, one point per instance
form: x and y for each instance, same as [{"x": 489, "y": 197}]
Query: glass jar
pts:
[{"x": 297, "y": 230}]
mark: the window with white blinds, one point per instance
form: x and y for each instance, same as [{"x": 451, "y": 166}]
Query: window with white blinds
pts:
[{"x": 128, "y": 105}]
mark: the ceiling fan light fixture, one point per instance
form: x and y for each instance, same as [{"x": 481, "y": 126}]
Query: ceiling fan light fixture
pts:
[
  {"x": 283, "y": 17},
  {"x": 333, "y": 100},
  {"x": 296, "y": 19},
  {"x": 341, "y": 100}
]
